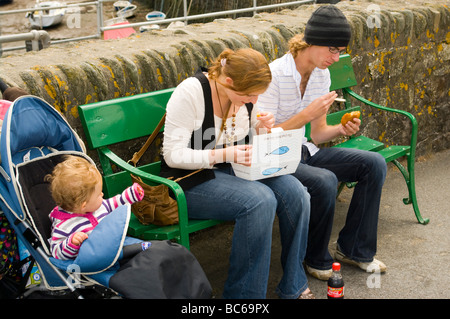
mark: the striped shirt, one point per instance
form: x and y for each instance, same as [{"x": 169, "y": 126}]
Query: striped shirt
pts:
[
  {"x": 65, "y": 224},
  {"x": 283, "y": 97}
]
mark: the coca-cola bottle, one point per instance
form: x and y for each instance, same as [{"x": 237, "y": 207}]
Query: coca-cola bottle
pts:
[{"x": 336, "y": 283}]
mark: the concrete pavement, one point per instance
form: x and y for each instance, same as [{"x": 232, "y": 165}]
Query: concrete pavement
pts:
[{"x": 417, "y": 256}]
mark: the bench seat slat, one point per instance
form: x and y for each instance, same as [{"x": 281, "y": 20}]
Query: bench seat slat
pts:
[
  {"x": 393, "y": 152},
  {"x": 362, "y": 143},
  {"x": 114, "y": 121},
  {"x": 152, "y": 232}
]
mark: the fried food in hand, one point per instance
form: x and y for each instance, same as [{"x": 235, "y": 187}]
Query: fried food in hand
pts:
[{"x": 350, "y": 117}]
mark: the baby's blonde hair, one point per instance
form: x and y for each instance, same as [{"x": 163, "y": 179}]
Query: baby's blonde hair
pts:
[
  {"x": 247, "y": 68},
  {"x": 73, "y": 182}
]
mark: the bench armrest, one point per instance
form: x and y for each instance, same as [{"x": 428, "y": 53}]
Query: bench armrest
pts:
[
  {"x": 173, "y": 186},
  {"x": 388, "y": 109}
]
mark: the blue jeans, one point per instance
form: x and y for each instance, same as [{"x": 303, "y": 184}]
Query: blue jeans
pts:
[
  {"x": 320, "y": 173},
  {"x": 252, "y": 205}
]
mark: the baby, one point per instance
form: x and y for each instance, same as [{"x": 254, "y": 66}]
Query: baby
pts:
[{"x": 76, "y": 187}]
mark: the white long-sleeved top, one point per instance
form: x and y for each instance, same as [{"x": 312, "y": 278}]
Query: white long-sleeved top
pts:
[
  {"x": 283, "y": 97},
  {"x": 185, "y": 113}
]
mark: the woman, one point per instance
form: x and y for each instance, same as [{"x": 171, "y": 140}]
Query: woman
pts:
[{"x": 209, "y": 119}]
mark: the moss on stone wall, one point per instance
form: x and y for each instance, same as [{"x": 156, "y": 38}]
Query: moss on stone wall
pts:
[{"x": 401, "y": 58}]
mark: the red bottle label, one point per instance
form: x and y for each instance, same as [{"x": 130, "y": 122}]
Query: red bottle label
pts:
[{"x": 335, "y": 292}]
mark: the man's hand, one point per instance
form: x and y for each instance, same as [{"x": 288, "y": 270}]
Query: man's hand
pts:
[
  {"x": 320, "y": 106},
  {"x": 352, "y": 127}
]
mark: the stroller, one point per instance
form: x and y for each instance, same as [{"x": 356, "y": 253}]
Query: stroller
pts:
[{"x": 34, "y": 139}]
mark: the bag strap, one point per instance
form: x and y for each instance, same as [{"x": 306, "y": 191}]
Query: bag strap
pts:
[
  {"x": 137, "y": 156},
  {"x": 207, "y": 96},
  {"x": 190, "y": 174}
]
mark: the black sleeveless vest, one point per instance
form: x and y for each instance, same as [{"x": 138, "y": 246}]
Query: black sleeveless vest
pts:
[{"x": 208, "y": 140}]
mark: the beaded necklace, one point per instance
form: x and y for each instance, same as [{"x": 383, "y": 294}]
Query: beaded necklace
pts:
[{"x": 229, "y": 134}]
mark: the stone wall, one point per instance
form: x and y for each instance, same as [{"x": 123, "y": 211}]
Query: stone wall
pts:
[
  {"x": 401, "y": 56},
  {"x": 405, "y": 64}
]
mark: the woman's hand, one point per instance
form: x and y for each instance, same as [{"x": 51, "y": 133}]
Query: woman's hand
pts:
[{"x": 242, "y": 154}]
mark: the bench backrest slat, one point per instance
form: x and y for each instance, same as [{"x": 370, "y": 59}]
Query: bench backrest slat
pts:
[
  {"x": 114, "y": 121},
  {"x": 341, "y": 72}
]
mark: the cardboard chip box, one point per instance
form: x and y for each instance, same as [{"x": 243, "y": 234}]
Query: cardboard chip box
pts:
[{"x": 274, "y": 154}]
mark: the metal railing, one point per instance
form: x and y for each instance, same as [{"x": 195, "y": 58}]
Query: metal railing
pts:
[
  {"x": 18, "y": 37},
  {"x": 100, "y": 21},
  {"x": 39, "y": 39},
  {"x": 185, "y": 18}
]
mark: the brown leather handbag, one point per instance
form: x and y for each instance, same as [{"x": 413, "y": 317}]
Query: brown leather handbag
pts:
[{"x": 157, "y": 207}]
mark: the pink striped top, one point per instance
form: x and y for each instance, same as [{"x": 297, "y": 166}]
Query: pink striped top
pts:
[{"x": 65, "y": 224}]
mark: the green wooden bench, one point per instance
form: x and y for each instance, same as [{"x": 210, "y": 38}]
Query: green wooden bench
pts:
[
  {"x": 119, "y": 120},
  {"x": 343, "y": 78}
]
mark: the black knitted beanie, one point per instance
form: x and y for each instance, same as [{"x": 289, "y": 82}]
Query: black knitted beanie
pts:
[{"x": 328, "y": 26}]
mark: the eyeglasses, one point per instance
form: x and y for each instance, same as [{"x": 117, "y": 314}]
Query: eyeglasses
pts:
[{"x": 334, "y": 50}]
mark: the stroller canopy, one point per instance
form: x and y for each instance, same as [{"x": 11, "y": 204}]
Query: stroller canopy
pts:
[
  {"x": 32, "y": 128},
  {"x": 31, "y": 122}
]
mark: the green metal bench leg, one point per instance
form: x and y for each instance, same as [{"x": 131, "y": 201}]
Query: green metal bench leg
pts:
[
  {"x": 410, "y": 183},
  {"x": 342, "y": 185},
  {"x": 340, "y": 188},
  {"x": 183, "y": 239}
]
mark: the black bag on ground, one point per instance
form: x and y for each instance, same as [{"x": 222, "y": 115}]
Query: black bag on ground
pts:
[{"x": 165, "y": 270}]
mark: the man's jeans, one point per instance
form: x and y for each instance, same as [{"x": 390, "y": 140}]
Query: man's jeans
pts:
[
  {"x": 252, "y": 205},
  {"x": 320, "y": 174}
]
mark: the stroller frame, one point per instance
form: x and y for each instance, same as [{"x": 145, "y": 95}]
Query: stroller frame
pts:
[
  {"x": 35, "y": 138},
  {"x": 12, "y": 201}
]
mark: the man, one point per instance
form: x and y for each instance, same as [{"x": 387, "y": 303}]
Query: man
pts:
[{"x": 299, "y": 94}]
